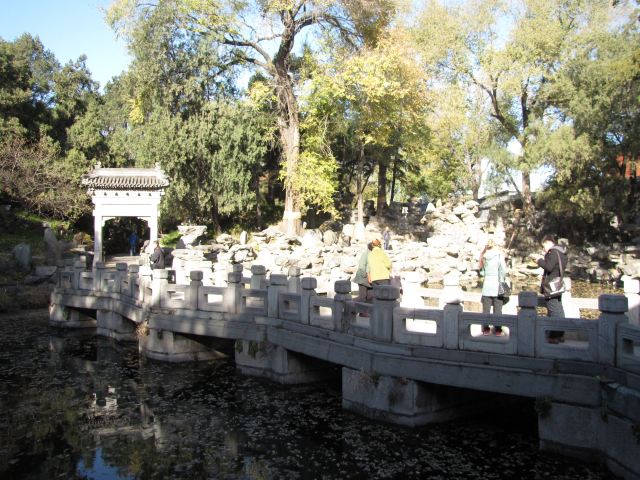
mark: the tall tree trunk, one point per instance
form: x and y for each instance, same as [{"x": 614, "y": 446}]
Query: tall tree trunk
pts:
[
  {"x": 215, "y": 217},
  {"x": 394, "y": 173},
  {"x": 256, "y": 187},
  {"x": 359, "y": 228},
  {"x": 381, "y": 202},
  {"x": 527, "y": 201},
  {"x": 289, "y": 129}
]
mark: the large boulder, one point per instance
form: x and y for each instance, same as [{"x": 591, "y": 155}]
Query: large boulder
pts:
[
  {"x": 22, "y": 255},
  {"x": 312, "y": 239},
  {"x": 329, "y": 237},
  {"x": 190, "y": 234}
]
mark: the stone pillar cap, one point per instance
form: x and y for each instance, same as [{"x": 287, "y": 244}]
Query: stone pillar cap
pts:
[
  {"x": 196, "y": 275},
  {"x": 237, "y": 267},
  {"x": 258, "y": 270},
  {"x": 277, "y": 279},
  {"x": 527, "y": 299},
  {"x": 342, "y": 286},
  {"x": 309, "y": 283},
  {"x": 386, "y": 292},
  {"x": 613, "y": 303},
  {"x": 234, "y": 277}
]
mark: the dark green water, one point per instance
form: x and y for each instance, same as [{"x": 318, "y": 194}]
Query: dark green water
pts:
[{"x": 74, "y": 406}]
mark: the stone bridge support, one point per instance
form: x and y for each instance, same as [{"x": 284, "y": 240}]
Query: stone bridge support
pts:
[
  {"x": 264, "y": 359},
  {"x": 169, "y": 346},
  {"x": 65, "y": 317},
  {"x": 408, "y": 402},
  {"x": 114, "y": 325},
  {"x": 610, "y": 431}
]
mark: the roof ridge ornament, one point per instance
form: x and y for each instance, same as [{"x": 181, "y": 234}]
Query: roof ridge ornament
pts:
[{"x": 145, "y": 179}]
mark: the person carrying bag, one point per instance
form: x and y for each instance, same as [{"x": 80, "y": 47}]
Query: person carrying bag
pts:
[{"x": 552, "y": 285}]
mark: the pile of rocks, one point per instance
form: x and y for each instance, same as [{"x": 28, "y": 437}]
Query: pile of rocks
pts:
[{"x": 428, "y": 242}]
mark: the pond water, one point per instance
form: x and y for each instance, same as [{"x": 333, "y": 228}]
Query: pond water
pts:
[{"x": 74, "y": 406}]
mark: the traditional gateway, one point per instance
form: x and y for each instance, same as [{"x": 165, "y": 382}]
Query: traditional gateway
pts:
[{"x": 124, "y": 192}]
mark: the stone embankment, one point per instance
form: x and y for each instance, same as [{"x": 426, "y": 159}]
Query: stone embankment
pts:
[{"x": 428, "y": 242}]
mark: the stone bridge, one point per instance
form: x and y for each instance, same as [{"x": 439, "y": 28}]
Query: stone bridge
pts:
[{"x": 411, "y": 365}]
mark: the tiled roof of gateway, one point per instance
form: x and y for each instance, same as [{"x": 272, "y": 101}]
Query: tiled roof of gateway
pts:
[{"x": 125, "y": 179}]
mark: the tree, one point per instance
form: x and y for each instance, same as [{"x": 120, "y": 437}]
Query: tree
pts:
[
  {"x": 34, "y": 175},
  {"x": 26, "y": 89},
  {"x": 464, "y": 138},
  {"x": 262, "y": 34},
  {"x": 73, "y": 91},
  {"x": 512, "y": 51},
  {"x": 176, "y": 106},
  {"x": 211, "y": 157},
  {"x": 599, "y": 91},
  {"x": 380, "y": 96}
]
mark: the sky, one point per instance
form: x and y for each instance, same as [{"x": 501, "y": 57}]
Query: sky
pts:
[{"x": 68, "y": 28}]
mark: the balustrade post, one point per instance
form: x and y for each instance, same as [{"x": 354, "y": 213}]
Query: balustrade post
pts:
[
  {"x": 133, "y": 279},
  {"x": 277, "y": 284},
  {"x": 144, "y": 280},
  {"x": 295, "y": 276},
  {"x": 78, "y": 268},
  {"x": 159, "y": 284},
  {"x": 232, "y": 297},
  {"x": 309, "y": 285},
  {"x": 385, "y": 299},
  {"x": 193, "y": 291},
  {"x": 451, "y": 317},
  {"x": 220, "y": 272},
  {"x": 258, "y": 277},
  {"x": 237, "y": 268},
  {"x": 451, "y": 291},
  {"x": 411, "y": 287},
  {"x": 632, "y": 292},
  {"x": 68, "y": 268},
  {"x": 342, "y": 295},
  {"x": 571, "y": 310},
  {"x": 59, "y": 274},
  {"x": 98, "y": 270},
  {"x": 612, "y": 312},
  {"x": 526, "y": 324},
  {"x": 121, "y": 272}
]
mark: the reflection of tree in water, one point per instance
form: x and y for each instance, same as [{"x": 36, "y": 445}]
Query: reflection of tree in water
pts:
[{"x": 65, "y": 397}]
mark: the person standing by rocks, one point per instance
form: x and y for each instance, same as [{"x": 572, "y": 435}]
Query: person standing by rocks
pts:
[
  {"x": 386, "y": 238},
  {"x": 364, "y": 287},
  {"x": 378, "y": 265},
  {"x": 493, "y": 268},
  {"x": 553, "y": 263},
  {"x": 157, "y": 257},
  {"x": 133, "y": 243}
]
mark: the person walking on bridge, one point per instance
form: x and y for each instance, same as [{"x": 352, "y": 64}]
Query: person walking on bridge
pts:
[
  {"x": 133, "y": 243},
  {"x": 157, "y": 257},
  {"x": 364, "y": 287},
  {"x": 493, "y": 268},
  {"x": 552, "y": 286},
  {"x": 379, "y": 265}
]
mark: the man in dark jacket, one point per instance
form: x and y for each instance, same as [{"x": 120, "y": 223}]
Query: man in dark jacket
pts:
[
  {"x": 553, "y": 264},
  {"x": 157, "y": 257}
]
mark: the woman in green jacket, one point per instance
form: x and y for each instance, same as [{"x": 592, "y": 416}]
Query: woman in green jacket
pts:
[{"x": 364, "y": 287}]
